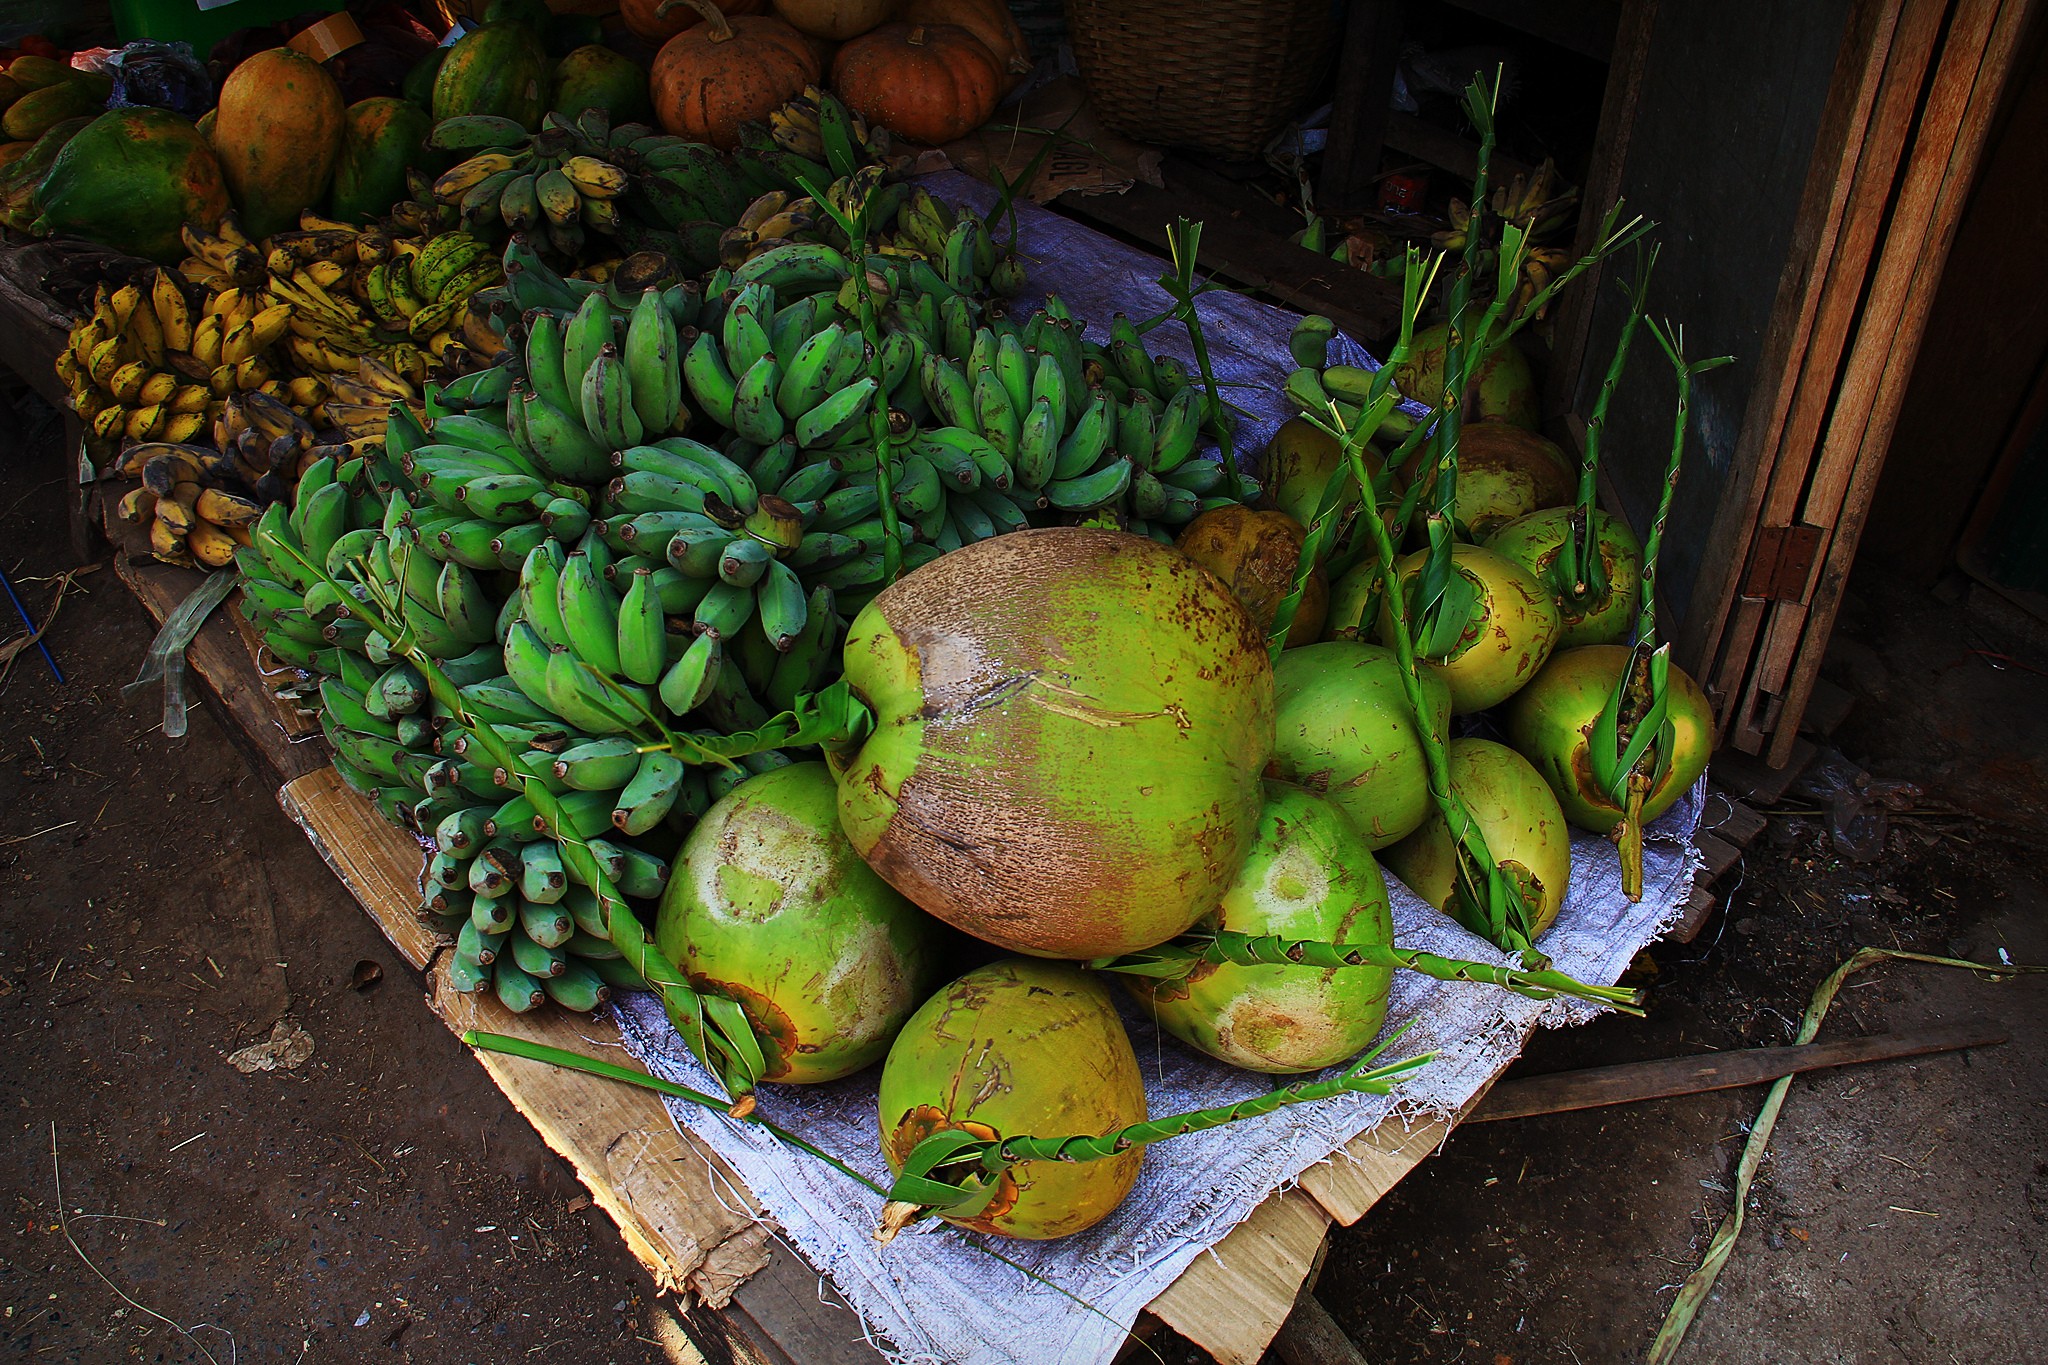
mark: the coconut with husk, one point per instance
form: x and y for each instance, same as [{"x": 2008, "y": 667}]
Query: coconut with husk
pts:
[
  {"x": 1069, "y": 728},
  {"x": 1255, "y": 553},
  {"x": 770, "y": 907}
]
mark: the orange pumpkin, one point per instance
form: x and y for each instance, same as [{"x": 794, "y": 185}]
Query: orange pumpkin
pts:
[
  {"x": 657, "y": 21},
  {"x": 837, "y": 20},
  {"x": 988, "y": 20},
  {"x": 931, "y": 83},
  {"x": 710, "y": 79}
]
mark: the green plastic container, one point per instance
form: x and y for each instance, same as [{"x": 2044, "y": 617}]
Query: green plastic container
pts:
[{"x": 202, "y": 24}]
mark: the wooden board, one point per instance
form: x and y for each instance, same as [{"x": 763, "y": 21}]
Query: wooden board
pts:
[
  {"x": 1234, "y": 1297},
  {"x": 1960, "y": 109},
  {"x": 670, "y": 1194},
  {"x": 1364, "y": 305}
]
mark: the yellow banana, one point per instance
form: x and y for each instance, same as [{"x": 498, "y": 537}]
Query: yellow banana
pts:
[
  {"x": 460, "y": 180},
  {"x": 211, "y": 546},
  {"x": 109, "y": 422},
  {"x": 168, "y": 544},
  {"x": 143, "y": 423},
  {"x": 158, "y": 388},
  {"x": 126, "y": 382},
  {"x": 182, "y": 426},
  {"x": 206, "y": 340},
  {"x": 594, "y": 177},
  {"x": 173, "y": 311},
  {"x": 106, "y": 358}
]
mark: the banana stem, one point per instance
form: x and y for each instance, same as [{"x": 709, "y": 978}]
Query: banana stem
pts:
[
  {"x": 1224, "y": 947},
  {"x": 1183, "y": 242},
  {"x": 611, "y": 1071},
  {"x": 922, "y": 1188}
]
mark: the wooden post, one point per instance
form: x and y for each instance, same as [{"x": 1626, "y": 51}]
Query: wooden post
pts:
[{"x": 1358, "y": 111}]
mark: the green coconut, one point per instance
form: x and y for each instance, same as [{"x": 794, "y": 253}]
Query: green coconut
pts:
[
  {"x": 1343, "y": 729},
  {"x": 1256, "y": 554},
  {"x": 1297, "y": 466},
  {"x": 1518, "y": 816},
  {"x": 770, "y": 906},
  {"x": 1020, "y": 1047},
  {"x": 1308, "y": 876},
  {"x": 1504, "y": 472},
  {"x": 1069, "y": 729},
  {"x": 1504, "y": 390},
  {"x": 1551, "y": 723},
  {"x": 1509, "y": 633},
  {"x": 1354, "y": 608},
  {"x": 1534, "y": 542}
]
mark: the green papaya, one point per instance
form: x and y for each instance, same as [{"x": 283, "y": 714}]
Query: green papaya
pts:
[
  {"x": 41, "y": 110},
  {"x": 129, "y": 179},
  {"x": 596, "y": 77},
  {"x": 19, "y": 178},
  {"x": 419, "y": 82},
  {"x": 382, "y": 137},
  {"x": 33, "y": 72},
  {"x": 499, "y": 69}
]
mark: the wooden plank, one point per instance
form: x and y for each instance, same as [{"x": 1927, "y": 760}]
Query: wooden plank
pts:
[
  {"x": 1887, "y": 322},
  {"x": 1441, "y": 147},
  {"x": 379, "y": 863},
  {"x": 672, "y": 1197},
  {"x": 1719, "y": 854},
  {"x": 1364, "y": 305},
  {"x": 1748, "y": 779},
  {"x": 1740, "y": 825},
  {"x": 1234, "y": 1297},
  {"x": 1631, "y": 1082},
  {"x": 1853, "y": 93},
  {"x": 1698, "y": 908},
  {"x": 1359, "y": 1174},
  {"x": 1310, "y": 1336},
  {"x": 1969, "y": 101},
  {"x": 32, "y": 329},
  {"x": 1360, "y": 107}
]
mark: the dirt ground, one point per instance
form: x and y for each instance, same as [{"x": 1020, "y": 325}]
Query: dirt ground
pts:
[{"x": 382, "y": 1202}]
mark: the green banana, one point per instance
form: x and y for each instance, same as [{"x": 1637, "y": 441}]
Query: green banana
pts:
[
  {"x": 646, "y": 800},
  {"x": 607, "y": 402},
  {"x": 642, "y": 638},
  {"x": 1090, "y": 491},
  {"x": 689, "y": 681},
  {"x": 837, "y": 415},
  {"x": 781, "y": 606},
  {"x": 654, "y": 365},
  {"x": 590, "y": 613}
]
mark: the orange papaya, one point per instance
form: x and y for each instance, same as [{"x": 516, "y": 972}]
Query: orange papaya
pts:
[
  {"x": 130, "y": 178},
  {"x": 499, "y": 69},
  {"x": 383, "y": 137},
  {"x": 277, "y": 132}
]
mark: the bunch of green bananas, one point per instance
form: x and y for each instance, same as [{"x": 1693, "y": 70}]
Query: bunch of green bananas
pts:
[
  {"x": 422, "y": 288},
  {"x": 561, "y": 181}
]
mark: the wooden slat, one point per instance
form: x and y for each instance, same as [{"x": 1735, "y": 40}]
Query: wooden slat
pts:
[
  {"x": 1740, "y": 825},
  {"x": 1887, "y": 324},
  {"x": 1969, "y": 101},
  {"x": 32, "y": 330},
  {"x": 671, "y": 1196},
  {"x": 1360, "y": 107},
  {"x": 1443, "y": 148},
  {"x": 1698, "y": 907},
  {"x": 1359, "y": 1174},
  {"x": 1632, "y": 1082},
  {"x": 1853, "y": 94},
  {"x": 1364, "y": 305},
  {"x": 1234, "y": 1297}
]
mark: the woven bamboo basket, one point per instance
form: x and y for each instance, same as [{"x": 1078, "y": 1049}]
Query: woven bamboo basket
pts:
[{"x": 1219, "y": 78}]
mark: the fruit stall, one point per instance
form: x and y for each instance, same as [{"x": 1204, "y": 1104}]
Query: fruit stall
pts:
[{"x": 787, "y": 555}]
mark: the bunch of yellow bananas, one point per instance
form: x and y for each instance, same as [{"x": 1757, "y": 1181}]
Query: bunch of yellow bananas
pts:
[
  {"x": 358, "y": 404},
  {"x": 193, "y": 497},
  {"x": 144, "y": 366},
  {"x": 817, "y": 124}
]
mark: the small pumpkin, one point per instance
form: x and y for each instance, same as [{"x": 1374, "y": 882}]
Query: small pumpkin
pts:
[
  {"x": 988, "y": 20},
  {"x": 930, "y": 82},
  {"x": 714, "y": 77},
  {"x": 658, "y": 21},
  {"x": 837, "y": 20}
]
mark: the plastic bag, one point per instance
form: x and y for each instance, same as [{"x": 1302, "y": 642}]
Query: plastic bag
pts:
[
  {"x": 1857, "y": 803},
  {"x": 166, "y": 75}
]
